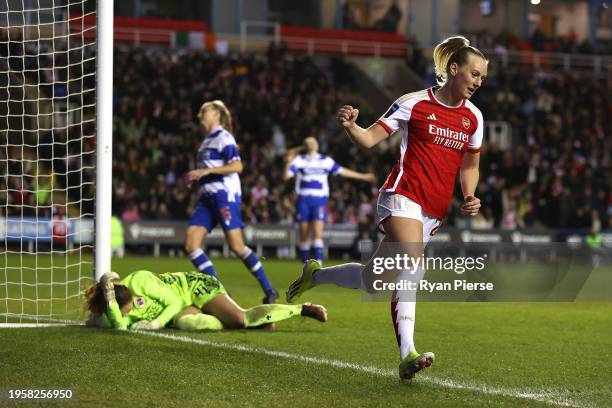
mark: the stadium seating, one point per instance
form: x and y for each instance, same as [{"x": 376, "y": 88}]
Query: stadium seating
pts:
[
  {"x": 556, "y": 175},
  {"x": 277, "y": 101}
]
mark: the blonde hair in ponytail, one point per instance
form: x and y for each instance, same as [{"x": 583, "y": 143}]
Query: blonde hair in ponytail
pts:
[
  {"x": 453, "y": 49},
  {"x": 225, "y": 117}
]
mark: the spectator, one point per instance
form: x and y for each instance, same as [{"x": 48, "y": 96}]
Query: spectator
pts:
[{"x": 131, "y": 213}]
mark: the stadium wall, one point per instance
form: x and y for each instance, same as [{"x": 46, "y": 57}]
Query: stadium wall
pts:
[
  {"x": 507, "y": 15},
  {"x": 328, "y": 13},
  {"x": 572, "y": 17}
]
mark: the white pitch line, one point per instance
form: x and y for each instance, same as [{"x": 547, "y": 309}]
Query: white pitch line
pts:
[
  {"x": 548, "y": 397},
  {"x": 34, "y": 325}
]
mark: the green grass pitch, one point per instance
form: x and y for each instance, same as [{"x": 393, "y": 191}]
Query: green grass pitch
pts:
[{"x": 488, "y": 354}]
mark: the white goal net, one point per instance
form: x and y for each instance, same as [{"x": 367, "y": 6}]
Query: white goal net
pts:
[{"x": 47, "y": 157}]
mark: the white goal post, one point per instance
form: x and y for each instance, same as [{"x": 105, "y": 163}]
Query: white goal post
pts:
[
  {"x": 104, "y": 162},
  {"x": 56, "y": 70}
]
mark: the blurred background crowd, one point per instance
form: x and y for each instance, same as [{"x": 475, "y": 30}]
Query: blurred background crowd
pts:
[
  {"x": 276, "y": 101},
  {"x": 557, "y": 175}
]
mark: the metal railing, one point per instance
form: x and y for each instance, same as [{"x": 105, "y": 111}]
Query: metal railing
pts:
[
  {"x": 598, "y": 65},
  {"x": 317, "y": 45},
  {"x": 375, "y": 49}
]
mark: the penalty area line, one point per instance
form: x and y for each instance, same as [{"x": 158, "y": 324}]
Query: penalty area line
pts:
[{"x": 549, "y": 397}]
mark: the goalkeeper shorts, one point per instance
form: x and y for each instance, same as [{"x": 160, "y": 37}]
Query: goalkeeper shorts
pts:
[
  {"x": 203, "y": 288},
  {"x": 195, "y": 288}
]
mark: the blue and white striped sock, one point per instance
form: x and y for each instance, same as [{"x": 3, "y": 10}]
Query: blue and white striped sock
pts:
[
  {"x": 251, "y": 261},
  {"x": 305, "y": 251},
  {"x": 203, "y": 263},
  {"x": 318, "y": 250}
]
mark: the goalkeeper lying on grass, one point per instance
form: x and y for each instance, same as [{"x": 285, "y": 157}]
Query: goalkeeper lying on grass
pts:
[{"x": 186, "y": 300}]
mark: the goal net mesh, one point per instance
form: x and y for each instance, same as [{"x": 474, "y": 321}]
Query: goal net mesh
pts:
[{"x": 47, "y": 157}]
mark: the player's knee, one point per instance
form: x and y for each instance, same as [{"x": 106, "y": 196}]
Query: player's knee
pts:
[
  {"x": 192, "y": 243},
  {"x": 235, "y": 320},
  {"x": 237, "y": 249},
  {"x": 189, "y": 246}
]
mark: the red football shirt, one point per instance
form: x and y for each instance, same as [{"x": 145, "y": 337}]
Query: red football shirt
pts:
[{"x": 434, "y": 139}]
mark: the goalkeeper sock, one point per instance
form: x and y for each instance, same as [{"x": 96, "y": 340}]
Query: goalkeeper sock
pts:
[
  {"x": 251, "y": 261},
  {"x": 199, "y": 321},
  {"x": 305, "y": 251},
  {"x": 262, "y": 314},
  {"x": 347, "y": 275},
  {"x": 203, "y": 263},
  {"x": 318, "y": 250}
]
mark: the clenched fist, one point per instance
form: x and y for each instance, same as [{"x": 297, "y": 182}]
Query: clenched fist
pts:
[
  {"x": 471, "y": 205},
  {"x": 347, "y": 115}
]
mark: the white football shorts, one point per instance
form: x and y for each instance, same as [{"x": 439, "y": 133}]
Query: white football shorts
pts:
[{"x": 397, "y": 205}]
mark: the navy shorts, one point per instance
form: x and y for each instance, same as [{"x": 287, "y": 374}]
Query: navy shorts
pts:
[
  {"x": 213, "y": 209},
  {"x": 311, "y": 208}
]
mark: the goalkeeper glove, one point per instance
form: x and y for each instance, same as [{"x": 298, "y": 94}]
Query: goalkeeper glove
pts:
[
  {"x": 146, "y": 325},
  {"x": 107, "y": 284}
]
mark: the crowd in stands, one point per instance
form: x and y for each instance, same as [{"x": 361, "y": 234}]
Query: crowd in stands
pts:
[
  {"x": 538, "y": 41},
  {"x": 556, "y": 174},
  {"x": 276, "y": 102},
  {"x": 48, "y": 119}
]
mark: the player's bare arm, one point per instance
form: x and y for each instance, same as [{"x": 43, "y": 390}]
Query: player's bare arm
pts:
[
  {"x": 367, "y": 177},
  {"x": 289, "y": 156},
  {"x": 365, "y": 138},
  {"x": 469, "y": 175},
  {"x": 233, "y": 167}
]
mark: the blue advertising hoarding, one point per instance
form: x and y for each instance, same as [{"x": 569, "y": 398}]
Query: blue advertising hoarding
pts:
[{"x": 34, "y": 229}]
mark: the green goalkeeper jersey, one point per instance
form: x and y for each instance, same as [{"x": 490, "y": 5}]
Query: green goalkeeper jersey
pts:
[{"x": 162, "y": 297}]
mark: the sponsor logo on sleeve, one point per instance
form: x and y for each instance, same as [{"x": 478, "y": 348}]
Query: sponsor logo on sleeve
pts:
[{"x": 391, "y": 110}]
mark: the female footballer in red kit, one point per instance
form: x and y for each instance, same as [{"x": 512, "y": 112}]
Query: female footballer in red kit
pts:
[{"x": 441, "y": 133}]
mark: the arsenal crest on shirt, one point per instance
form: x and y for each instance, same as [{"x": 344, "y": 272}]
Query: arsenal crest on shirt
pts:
[{"x": 465, "y": 122}]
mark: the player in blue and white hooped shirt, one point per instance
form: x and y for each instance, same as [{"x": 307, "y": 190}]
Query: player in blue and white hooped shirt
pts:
[
  {"x": 219, "y": 164},
  {"x": 311, "y": 171}
]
